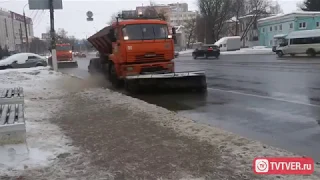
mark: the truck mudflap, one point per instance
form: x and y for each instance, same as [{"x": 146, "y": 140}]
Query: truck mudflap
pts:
[{"x": 189, "y": 81}]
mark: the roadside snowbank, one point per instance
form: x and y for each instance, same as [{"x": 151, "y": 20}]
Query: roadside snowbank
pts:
[
  {"x": 237, "y": 152},
  {"x": 46, "y": 149},
  {"x": 188, "y": 51},
  {"x": 246, "y": 51},
  {"x": 254, "y": 50}
]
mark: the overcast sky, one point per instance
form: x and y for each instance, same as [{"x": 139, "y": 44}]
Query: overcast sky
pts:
[{"x": 73, "y": 15}]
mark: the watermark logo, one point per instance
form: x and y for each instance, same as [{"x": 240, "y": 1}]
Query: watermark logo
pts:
[
  {"x": 261, "y": 165},
  {"x": 283, "y": 165}
]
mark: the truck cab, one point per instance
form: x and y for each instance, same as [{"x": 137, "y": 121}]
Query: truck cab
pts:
[
  {"x": 64, "y": 52},
  {"x": 136, "y": 46}
]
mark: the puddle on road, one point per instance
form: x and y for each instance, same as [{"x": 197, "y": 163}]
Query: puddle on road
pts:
[{"x": 244, "y": 90}]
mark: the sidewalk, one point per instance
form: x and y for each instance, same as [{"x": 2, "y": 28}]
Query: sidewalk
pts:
[{"x": 95, "y": 133}]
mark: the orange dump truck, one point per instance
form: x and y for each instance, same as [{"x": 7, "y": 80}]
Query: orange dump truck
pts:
[
  {"x": 138, "y": 53},
  {"x": 64, "y": 56}
]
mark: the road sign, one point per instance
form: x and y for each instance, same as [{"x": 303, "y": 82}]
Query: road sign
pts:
[
  {"x": 89, "y": 16},
  {"x": 44, "y": 4}
]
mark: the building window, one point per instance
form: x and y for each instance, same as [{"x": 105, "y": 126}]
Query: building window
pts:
[
  {"x": 318, "y": 24},
  {"x": 263, "y": 30},
  {"x": 270, "y": 28},
  {"x": 271, "y": 44},
  {"x": 276, "y": 28},
  {"x": 291, "y": 25},
  {"x": 280, "y": 27},
  {"x": 302, "y": 25}
]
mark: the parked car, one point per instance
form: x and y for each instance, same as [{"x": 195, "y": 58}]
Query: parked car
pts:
[
  {"x": 206, "y": 51},
  {"x": 80, "y": 54},
  {"x": 23, "y": 60}
]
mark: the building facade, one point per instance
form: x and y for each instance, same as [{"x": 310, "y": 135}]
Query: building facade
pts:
[
  {"x": 282, "y": 25},
  {"x": 13, "y": 31}
]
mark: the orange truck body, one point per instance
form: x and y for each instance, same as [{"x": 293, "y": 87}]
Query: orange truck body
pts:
[
  {"x": 132, "y": 57},
  {"x": 64, "y": 52}
]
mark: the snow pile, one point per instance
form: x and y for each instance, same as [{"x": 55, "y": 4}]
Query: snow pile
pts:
[
  {"x": 46, "y": 149},
  {"x": 188, "y": 51},
  {"x": 236, "y": 151},
  {"x": 254, "y": 50}
]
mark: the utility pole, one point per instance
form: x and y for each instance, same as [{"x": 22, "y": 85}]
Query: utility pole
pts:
[
  {"x": 53, "y": 37},
  {"x": 13, "y": 33},
  {"x": 26, "y": 30},
  {"x": 21, "y": 38}
]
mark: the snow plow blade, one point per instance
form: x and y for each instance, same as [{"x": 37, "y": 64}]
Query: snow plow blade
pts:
[
  {"x": 67, "y": 64},
  {"x": 181, "y": 81}
]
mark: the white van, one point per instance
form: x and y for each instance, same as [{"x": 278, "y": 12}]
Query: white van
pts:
[
  {"x": 231, "y": 43},
  {"x": 300, "y": 42}
]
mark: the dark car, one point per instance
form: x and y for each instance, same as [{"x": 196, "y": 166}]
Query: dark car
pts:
[{"x": 206, "y": 51}]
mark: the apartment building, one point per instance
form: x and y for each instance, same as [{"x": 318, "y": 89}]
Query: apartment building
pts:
[
  {"x": 13, "y": 31},
  {"x": 281, "y": 25}
]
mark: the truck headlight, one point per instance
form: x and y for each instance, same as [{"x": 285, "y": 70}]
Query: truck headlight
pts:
[
  {"x": 170, "y": 65},
  {"x": 169, "y": 36},
  {"x": 126, "y": 38}
]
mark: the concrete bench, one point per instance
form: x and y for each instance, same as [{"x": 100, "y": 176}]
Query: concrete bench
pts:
[
  {"x": 11, "y": 95},
  {"x": 12, "y": 123}
]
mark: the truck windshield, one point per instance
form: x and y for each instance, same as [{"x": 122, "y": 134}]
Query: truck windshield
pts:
[
  {"x": 63, "y": 48},
  {"x": 145, "y": 31}
]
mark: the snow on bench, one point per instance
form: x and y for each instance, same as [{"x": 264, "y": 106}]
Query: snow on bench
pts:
[
  {"x": 12, "y": 124},
  {"x": 11, "y": 95}
]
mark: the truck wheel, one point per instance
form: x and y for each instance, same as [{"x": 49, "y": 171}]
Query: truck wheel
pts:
[
  {"x": 113, "y": 77},
  {"x": 280, "y": 53},
  {"x": 311, "y": 52},
  {"x": 194, "y": 56},
  {"x": 92, "y": 66}
]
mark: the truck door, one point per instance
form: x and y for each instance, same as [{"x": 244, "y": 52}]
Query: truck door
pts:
[{"x": 116, "y": 45}]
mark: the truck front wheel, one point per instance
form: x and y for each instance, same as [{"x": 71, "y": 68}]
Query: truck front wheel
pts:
[
  {"x": 280, "y": 54},
  {"x": 113, "y": 77}
]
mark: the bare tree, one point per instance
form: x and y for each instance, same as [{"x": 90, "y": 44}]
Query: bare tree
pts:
[
  {"x": 238, "y": 8},
  {"x": 259, "y": 8},
  {"x": 275, "y": 8},
  {"x": 190, "y": 26},
  {"x": 214, "y": 14}
]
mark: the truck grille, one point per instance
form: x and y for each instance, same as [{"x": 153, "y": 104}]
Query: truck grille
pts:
[{"x": 157, "y": 57}]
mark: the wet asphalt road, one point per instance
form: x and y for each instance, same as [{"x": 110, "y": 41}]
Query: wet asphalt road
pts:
[{"x": 261, "y": 97}]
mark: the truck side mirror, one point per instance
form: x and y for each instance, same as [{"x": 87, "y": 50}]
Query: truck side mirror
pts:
[
  {"x": 174, "y": 35},
  {"x": 111, "y": 36}
]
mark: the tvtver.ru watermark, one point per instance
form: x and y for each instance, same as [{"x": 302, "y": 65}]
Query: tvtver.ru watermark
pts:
[{"x": 283, "y": 165}]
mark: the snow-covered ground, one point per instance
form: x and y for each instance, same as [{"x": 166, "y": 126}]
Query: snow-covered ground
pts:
[
  {"x": 188, "y": 51},
  {"x": 47, "y": 149},
  {"x": 254, "y": 50},
  {"x": 50, "y": 154}
]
